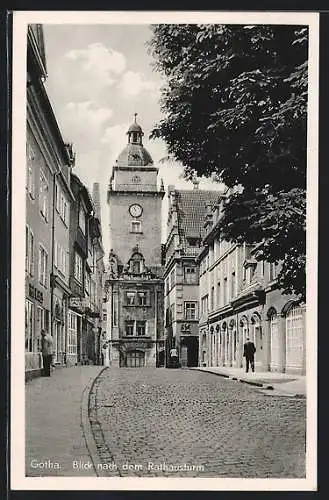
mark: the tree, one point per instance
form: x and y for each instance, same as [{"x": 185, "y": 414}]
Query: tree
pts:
[{"x": 235, "y": 105}]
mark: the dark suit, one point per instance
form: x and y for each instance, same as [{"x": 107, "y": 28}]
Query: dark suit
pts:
[{"x": 249, "y": 350}]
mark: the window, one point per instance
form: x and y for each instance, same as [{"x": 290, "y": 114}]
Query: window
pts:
[
  {"x": 29, "y": 326},
  {"x": 115, "y": 308},
  {"x": 273, "y": 273},
  {"x": 130, "y": 298},
  {"x": 87, "y": 283},
  {"x": 212, "y": 296},
  {"x": 204, "y": 305},
  {"x": 193, "y": 242},
  {"x": 172, "y": 312},
  {"x": 233, "y": 289},
  {"x": 190, "y": 275},
  {"x": 225, "y": 291},
  {"x": 72, "y": 333},
  {"x": 219, "y": 294},
  {"x": 294, "y": 337},
  {"x": 142, "y": 298},
  {"x": 29, "y": 251},
  {"x": 171, "y": 279},
  {"x": 30, "y": 181},
  {"x": 62, "y": 205},
  {"x": 141, "y": 328},
  {"x": 136, "y": 226},
  {"x": 78, "y": 272},
  {"x": 136, "y": 267},
  {"x": 60, "y": 258},
  {"x": 190, "y": 310},
  {"x": 44, "y": 196},
  {"x": 57, "y": 198},
  {"x": 82, "y": 219},
  {"x": 129, "y": 329},
  {"x": 43, "y": 264}
]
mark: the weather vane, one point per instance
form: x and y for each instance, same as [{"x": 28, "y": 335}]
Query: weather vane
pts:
[{"x": 135, "y": 115}]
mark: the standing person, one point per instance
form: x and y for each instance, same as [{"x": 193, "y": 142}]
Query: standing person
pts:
[
  {"x": 173, "y": 357},
  {"x": 249, "y": 350},
  {"x": 47, "y": 352}
]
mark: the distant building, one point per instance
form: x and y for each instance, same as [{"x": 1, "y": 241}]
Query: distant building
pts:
[
  {"x": 186, "y": 215},
  {"x": 239, "y": 298},
  {"x": 134, "y": 281}
]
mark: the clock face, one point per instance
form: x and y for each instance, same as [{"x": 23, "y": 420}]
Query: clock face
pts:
[{"x": 135, "y": 210}]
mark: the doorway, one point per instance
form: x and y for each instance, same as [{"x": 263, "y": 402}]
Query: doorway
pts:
[{"x": 135, "y": 359}]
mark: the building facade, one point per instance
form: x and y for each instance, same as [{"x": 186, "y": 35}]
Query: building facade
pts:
[
  {"x": 48, "y": 164},
  {"x": 134, "y": 281},
  {"x": 239, "y": 298},
  {"x": 185, "y": 228}
]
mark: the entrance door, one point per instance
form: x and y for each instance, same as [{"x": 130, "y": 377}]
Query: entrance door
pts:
[{"x": 135, "y": 359}]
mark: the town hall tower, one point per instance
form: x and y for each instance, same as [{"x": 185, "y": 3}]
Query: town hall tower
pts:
[{"x": 134, "y": 285}]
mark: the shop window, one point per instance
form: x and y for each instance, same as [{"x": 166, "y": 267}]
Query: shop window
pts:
[{"x": 29, "y": 326}]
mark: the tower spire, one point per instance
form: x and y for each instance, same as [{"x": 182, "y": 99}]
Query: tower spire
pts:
[{"x": 135, "y": 115}]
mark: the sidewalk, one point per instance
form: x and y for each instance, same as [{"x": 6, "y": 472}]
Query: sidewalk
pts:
[
  {"x": 282, "y": 384},
  {"x": 56, "y": 420}
]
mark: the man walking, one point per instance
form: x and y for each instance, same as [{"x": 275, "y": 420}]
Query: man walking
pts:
[
  {"x": 173, "y": 358},
  {"x": 249, "y": 350},
  {"x": 47, "y": 352}
]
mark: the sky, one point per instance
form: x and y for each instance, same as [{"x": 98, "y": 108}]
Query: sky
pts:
[{"x": 98, "y": 77}]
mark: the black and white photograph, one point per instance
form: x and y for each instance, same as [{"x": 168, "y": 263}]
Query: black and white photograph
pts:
[{"x": 164, "y": 250}]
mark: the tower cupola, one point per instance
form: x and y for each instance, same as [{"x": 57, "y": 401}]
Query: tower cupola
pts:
[{"x": 135, "y": 133}]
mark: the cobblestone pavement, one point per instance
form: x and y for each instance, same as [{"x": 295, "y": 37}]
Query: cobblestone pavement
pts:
[{"x": 176, "y": 417}]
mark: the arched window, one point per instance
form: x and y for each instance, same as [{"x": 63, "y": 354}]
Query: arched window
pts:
[
  {"x": 274, "y": 335},
  {"x": 294, "y": 337}
]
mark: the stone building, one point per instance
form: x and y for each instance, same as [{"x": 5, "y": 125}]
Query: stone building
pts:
[
  {"x": 239, "y": 298},
  {"x": 134, "y": 282},
  {"x": 48, "y": 196},
  {"x": 185, "y": 228}
]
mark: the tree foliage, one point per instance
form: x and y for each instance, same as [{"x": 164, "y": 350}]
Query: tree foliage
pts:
[{"x": 235, "y": 105}]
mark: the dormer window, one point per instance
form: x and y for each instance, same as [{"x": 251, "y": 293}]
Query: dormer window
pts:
[{"x": 136, "y": 267}]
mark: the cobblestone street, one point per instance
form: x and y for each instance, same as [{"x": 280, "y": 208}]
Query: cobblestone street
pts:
[{"x": 150, "y": 417}]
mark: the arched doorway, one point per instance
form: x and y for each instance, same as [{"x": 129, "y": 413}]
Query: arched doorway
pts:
[
  {"x": 243, "y": 338},
  {"x": 274, "y": 340},
  {"x": 294, "y": 338},
  {"x": 135, "y": 359},
  {"x": 256, "y": 336}
]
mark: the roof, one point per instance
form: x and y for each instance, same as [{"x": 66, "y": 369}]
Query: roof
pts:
[
  {"x": 134, "y": 155},
  {"x": 191, "y": 206},
  {"x": 134, "y": 127},
  {"x": 36, "y": 39}
]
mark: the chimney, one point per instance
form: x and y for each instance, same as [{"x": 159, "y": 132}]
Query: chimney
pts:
[{"x": 97, "y": 200}]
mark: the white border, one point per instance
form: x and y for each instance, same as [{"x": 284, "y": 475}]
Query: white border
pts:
[{"x": 18, "y": 479}]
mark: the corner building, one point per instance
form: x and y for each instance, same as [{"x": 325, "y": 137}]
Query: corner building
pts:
[{"x": 134, "y": 282}]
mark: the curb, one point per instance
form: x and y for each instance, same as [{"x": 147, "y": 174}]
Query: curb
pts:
[
  {"x": 85, "y": 423},
  {"x": 254, "y": 383}
]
